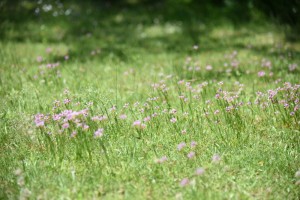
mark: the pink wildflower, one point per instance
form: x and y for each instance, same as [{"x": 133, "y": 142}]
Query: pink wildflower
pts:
[
  {"x": 104, "y": 117},
  {"x": 162, "y": 159},
  {"x": 85, "y": 127},
  {"x": 154, "y": 115},
  {"x": 65, "y": 125},
  {"x": 173, "y": 111},
  {"x": 126, "y": 105},
  {"x": 123, "y": 116},
  {"x": 139, "y": 124},
  {"x": 146, "y": 119},
  {"x": 73, "y": 134},
  {"x": 113, "y": 108},
  {"x": 181, "y": 82},
  {"x": 40, "y": 123},
  {"x": 49, "y": 65},
  {"x": 191, "y": 155},
  {"x": 180, "y": 146},
  {"x": 193, "y": 144},
  {"x": 66, "y": 101},
  {"x": 48, "y": 50},
  {"x": 292, "y": 67},
  {"x": 184, "y": 182},
  {"x": 99, "y": 133},
  {"x": 39, "y": 58},
  {"x": 173, "y": 120},
  {"x": 216, "y": 112},
  {"x": 292, "y": 113},
  {"x": 96, "y": 118},
  {"x": 208, "y": 67},
  {"x": 216, "y": 158},
  {"x": 200, "y": 171},
  {"x": 261, "y": 73},
  {"x": 39, "y": 120}
]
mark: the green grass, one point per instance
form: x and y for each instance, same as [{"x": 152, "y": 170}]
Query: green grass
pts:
[{"x": 115, "y": 56}]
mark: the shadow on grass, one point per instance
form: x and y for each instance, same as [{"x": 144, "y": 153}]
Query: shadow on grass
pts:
[
  {"x": 96, "y": 31},
  {"x": 108, "y": 29}
]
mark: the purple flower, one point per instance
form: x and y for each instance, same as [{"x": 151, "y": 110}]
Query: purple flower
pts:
[
  {"x": 65, "y": 125},
  {"x": 191, "y": 155},
  {"x": 234, "y": 64},
  {"x": 39, "y": 120},
  {"x": 85, "y": 127},
  {"x": 216, "y": 112},
  {"x": 73, "y": 134},
  {"x": 66, "y": 101},
  {"x": 39, "y": 58},
  {"x": 96, "y": 118},
  {"x": 292, "y": 67},
  {"x": 146, "y": 119},
  {"x": 266, "y": 63},
  {"x": 55, "y": 64},
  {"x": 113, "y": 108},
  {"x": 39, "y": 123},
  {"x": 208, "y": 67},
  {"x": 139, "y": 124},
  {"x": 216, "y": 158},
  {"x": 99, "y": 133},
  {"x": 261, "y": 73},
  {"x": 78, "y": 124},
  {"x": 218, "y": 96},
  {"x": 104, "y": 117},
  {"x": 193, "y": 144},
  {"x": 180, "y": 146},
  {"x": 181, "y": 82},
  {"x": 126, "y": 105},
  {"x": 56, "y": 117},
  {"x": 200, "y": 171},
  {"x": 154, "y": 115},
  {"x": 173, "y": 120},
  {"x": 184, "y": 182},
  {"x": 49, "y": 65},
  {"x": 272, "y": 93},
  {"x": 49, "y": 49},
  {"x": 162, "y": 159},
  {"x": 99, "y": 118},
  {"x": 173, "y": 111},
  {"x": 123, "y": 116},
  {"x": 292, "y": 113}
]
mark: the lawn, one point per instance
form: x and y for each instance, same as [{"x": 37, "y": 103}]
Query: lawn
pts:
[{"x": 147, "y": 102}]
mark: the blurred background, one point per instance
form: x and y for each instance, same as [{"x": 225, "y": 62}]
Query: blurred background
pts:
[{"x": 147, "y": 25}]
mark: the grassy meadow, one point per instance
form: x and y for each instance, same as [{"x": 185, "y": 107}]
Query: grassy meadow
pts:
[{"x": 147, "y": 102}]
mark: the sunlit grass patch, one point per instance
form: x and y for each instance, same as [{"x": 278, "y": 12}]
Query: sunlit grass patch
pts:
[{"x": 135, "y": 105}]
